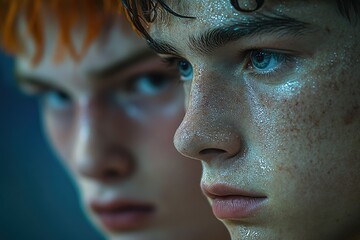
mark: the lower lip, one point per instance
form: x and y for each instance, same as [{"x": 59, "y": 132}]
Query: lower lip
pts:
[
  {"x": 236, "y": 207},
  {"x": 124, "y": 221}
]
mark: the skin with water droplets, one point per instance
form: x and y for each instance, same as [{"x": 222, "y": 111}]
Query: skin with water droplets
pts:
[{"x": 293, "y": 134}]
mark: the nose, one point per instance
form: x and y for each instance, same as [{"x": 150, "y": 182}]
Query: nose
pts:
[
  {"x": 100, "y": 151},
  {"x": 207, "y": 131}
]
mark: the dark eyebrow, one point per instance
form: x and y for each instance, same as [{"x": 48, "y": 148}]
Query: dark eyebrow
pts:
[
  {"x": 214, "y": 38},
  {"x": 23, "y": 79},
  {"x": 162, "y": 47},
  {"x": 122, "y": 65}
]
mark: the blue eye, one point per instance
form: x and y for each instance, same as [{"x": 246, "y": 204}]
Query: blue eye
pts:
[
  {"x": 266, "y": 61},
  {"x": 55, "y": 100},
  {"x": 186, "y": 70},
  {"x": 151, "y": 84}
]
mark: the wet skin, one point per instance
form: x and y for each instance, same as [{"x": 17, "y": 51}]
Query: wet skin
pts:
[
  {"x": 273, "y": 109},
  {"x": 111, "y": 118}
]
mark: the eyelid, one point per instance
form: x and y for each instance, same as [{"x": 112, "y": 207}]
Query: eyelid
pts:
[
  {"x": 246, "y": 52},
  {"x": 33, "y": 89},
  {"x": 32, "y": 85},
  {"x": 130, "y": 86},
  {"x": 267, "y": 76},
  {"x": 40, "y": 90},
  {"x": 171, "y": 60}
]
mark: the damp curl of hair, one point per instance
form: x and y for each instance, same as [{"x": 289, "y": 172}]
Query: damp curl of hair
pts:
[{"x": 141, "y": 13}]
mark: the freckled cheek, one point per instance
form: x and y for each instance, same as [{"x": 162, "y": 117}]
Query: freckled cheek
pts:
[
  {"x": 311, "y": 143},
  {"x": 294, "y": 127}
]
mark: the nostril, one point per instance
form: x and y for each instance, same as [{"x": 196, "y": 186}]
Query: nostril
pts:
[
  {"x": 211, "y": 151},
  {"x": 118, "y": 170},
  {"x": 111, "y": 174}
]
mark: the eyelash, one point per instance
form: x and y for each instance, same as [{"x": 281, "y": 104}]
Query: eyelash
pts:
[
  {"x": 245, "y": 57},
  {"x": 171, "y": 61},
  {"x": 40, "y": 93},
  {"x": 288, "y": 62}
]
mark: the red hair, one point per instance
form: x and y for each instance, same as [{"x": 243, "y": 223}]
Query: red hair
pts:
[{"x": 95, "y": 13}]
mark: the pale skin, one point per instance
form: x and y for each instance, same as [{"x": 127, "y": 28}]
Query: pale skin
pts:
[
  {"x": 287, "y": 129},
  {"x": 113, "y": 130}
]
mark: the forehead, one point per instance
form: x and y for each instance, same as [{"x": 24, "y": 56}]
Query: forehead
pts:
[
  {"x": 115, "y": 43},
  {"x": 205, "y": 9},
  {"x": 205, "y": 12},
  {"x": 217, "y": 13}
]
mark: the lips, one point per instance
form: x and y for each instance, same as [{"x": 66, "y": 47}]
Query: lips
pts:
[
  {"x": 123, "y": 214},
  {"x": 230, "y": 203}
]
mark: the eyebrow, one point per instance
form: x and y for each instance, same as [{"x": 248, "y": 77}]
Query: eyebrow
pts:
[
  {"x": 123, "y": 64},
  {"x": 95, "y": 75},
  {"x": 235, "y": 30},
  {"x": 24, "y": 79}
]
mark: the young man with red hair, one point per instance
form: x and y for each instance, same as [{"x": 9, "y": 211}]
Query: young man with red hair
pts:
[{"x": 110, "y": 109}]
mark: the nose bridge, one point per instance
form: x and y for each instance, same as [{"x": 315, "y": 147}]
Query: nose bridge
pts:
[
  {"x": 88, "y": 121},
  {"x": 208, "y": 130},
  {"x": 82, "y": 133},
  {"x": 98, "y": 153},
  {"x": 206, "y": 95}
]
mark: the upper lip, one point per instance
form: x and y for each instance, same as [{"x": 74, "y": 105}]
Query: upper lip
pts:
[
  {"x": 223, "y": 190},
  {"x": 118, "y": 205}
]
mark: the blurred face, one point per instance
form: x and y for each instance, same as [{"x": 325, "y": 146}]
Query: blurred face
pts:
[
  {"x": 273, "y": 112},
  {"x": 111, "y": 117}
]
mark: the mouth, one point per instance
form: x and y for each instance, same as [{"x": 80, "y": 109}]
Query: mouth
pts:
[
  {"x": 123, "y": 214},
  {"x": 229, "y": 203}
]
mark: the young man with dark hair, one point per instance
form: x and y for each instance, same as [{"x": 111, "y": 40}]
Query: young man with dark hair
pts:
[
  {"x": 110, "y": 109},
  {"x": 273, "y": 109}
]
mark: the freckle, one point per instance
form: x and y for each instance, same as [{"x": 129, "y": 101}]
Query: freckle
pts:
[
  {"x": 334, "y": 86},
  {"x": 327, "y": 29},
  {"x": 351, "y": 115},
  {"x": 315, "y": 121},
  {"x": 330, "y": 103}
]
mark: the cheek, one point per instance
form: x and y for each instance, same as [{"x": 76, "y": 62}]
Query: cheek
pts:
[
  {"x": 59, "y": 134},
  {"x": 159, "y": 131},
  {"x": 158, "y": 134},
  {"x": 163, "y": 123},
  {"x": 311, "y": 130}
]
